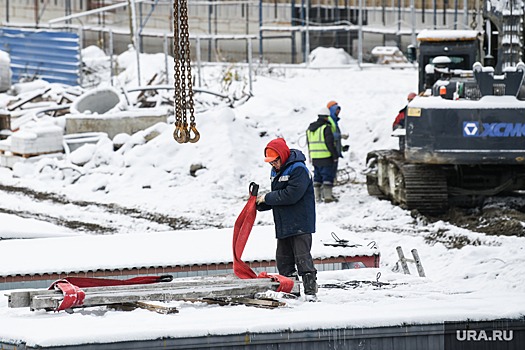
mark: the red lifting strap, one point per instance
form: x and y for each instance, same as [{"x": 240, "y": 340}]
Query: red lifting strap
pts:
[
  {"x": 241, "y": 233},
  {"x": 84, "y": 282},
  {"x": 74, "y": 296}
]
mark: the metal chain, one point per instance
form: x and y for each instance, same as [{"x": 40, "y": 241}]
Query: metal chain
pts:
[{"x": 183, "y": 78}]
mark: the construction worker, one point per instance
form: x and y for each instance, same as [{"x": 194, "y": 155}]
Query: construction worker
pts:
[
  {"x": 399, "y": 122},
  {"x": 335, "y": 109},
  {"x": 323, "y": 155},
  {"x": 292, "y": 202}
]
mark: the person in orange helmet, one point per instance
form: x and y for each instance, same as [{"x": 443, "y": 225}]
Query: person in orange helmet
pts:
[
  {"x": 335, "y": 109},
  {"x": 399, "y": 122}
]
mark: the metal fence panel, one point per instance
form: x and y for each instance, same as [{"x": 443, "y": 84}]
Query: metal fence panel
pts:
[{"x": 53, "y": 56}]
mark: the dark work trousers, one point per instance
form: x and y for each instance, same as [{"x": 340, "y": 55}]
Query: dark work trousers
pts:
[
  {"x": 324, "y": 174},
  {"x": 295, "y": 251}
]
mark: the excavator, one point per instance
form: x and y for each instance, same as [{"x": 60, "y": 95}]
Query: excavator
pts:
[{"x": 464, "y": 135}]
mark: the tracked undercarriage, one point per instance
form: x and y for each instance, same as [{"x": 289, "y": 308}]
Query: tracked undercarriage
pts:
[
  {"x": 433, "y": 188},
  {"x": 412, "y": 186}
]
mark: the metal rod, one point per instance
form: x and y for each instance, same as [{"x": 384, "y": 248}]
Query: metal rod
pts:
[
  {"x": 402, "y": 260},
  {"x": 307, "y": 45},
  {"x": 360, "y": 36},
  {"x": 413, "y": 13},
  {"x": 260, "y": 31},
  {"x": 91, "y": 12},
  {"x": 166, "y": 55},
  {"x": 465, "y": 13},
  {"x": 250, "y": 71},
  {"x": 419, "y": 266},
  {"x": 135, "y": 38},
  {"x": 111, "y": 63},
  {"x": 199, "y": 60},
  {"x": 435, "y": 13}
]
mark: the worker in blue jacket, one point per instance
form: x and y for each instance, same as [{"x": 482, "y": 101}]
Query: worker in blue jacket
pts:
[{"x": 292, "y": 202}]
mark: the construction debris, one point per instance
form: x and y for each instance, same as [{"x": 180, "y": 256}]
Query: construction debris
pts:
[
  {"x": 160, "y": 309},
  {"x": 37, "y": 140},
  {"x": 403, "y": 262},
  {"x": 221, "y": 290}
]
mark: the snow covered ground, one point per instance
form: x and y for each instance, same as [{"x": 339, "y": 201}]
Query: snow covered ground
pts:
[{"x": 483, "y": 280}]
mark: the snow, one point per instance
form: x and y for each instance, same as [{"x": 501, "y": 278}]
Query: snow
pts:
[
  {"x": 482, "y": 280},
  {"x": 214, "y": 247},
  {"x": 444, "y": 34}
]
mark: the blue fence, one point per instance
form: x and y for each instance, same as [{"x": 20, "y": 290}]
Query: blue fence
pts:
[{"x": 49, "y": 55}]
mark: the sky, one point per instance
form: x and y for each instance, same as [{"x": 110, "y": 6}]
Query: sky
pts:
[{"x": 483, "y": 280}]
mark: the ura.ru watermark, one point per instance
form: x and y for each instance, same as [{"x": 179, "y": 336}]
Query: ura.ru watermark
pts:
[
  {"x": 500, "y": 334},
  {"x": 482, "y": 335}
]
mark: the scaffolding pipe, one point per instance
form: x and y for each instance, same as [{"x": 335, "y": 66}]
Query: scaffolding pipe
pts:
[
  {"x": 91, "y": 12},
  {"x": 135, "y": 37},
  {"x": 111, "y": 63},
  {"x": 166, "y": 55},
  {"x": 307, "y": 46},
  {"x": 250, "y": 71},
  {"x": 260, "y": 32},
  {"x": 198, "y": 44},
  {"x": 413, "y": 13},
  {"x": 435, "y": 13},
  {"x": 465, "y": 13},
  {"x": 360, "y": 36}
]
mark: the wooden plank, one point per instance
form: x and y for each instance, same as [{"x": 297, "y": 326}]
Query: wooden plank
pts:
[
  {"x": 262, "y": 303},
  {"x": 22, "y": 102},
  {"x": 160, "y": 309}
]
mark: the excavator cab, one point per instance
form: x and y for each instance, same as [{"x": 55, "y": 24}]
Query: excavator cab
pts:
[{"x": 461, "y": 48}]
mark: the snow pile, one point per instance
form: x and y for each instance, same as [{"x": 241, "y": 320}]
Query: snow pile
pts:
[{"x": 330, "y": 57}]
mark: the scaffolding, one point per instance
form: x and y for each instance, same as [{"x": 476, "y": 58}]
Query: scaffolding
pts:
[{"x": 286, "y": 31}]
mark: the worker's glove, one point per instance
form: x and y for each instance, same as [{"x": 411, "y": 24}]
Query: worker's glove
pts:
[
  {"x": 344, "y": 136},
  {"x": 346, "y": 148},
  {"x": 260, "y": 199}
]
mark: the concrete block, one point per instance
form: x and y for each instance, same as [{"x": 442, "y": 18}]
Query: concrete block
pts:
[
  {"x": 37, "y": 140},
  {"x": 74, "y": 141},
  {"x": 128, "y": 122}
]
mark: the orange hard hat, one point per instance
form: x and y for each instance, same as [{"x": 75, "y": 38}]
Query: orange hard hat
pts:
[
  {"x": 411, "y": 96},
  {"x": 271, "y": 155},
  {"x": 330, "y": 104}
]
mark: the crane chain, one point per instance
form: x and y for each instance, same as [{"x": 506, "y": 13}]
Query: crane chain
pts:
[{"x": 183, "y": 80}]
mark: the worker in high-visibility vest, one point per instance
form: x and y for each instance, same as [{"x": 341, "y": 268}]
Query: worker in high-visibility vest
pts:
[{"x": 323, "y": 155}]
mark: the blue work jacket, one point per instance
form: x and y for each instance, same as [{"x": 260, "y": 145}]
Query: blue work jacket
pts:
[{"x": 292, "y": 198}]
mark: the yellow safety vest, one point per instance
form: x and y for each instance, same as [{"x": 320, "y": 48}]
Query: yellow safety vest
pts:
[{"x": 316, "y": 144}]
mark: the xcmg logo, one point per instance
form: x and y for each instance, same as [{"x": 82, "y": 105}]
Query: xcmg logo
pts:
[{"x": 473, "y": 129}]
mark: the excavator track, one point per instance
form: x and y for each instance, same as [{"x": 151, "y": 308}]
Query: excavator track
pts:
[
  {"x": 411, "y": 186},
  {"x": 425, "y": 188}
]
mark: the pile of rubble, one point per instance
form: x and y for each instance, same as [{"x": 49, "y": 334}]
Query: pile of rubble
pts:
[{"x": 39, "y": 119}]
